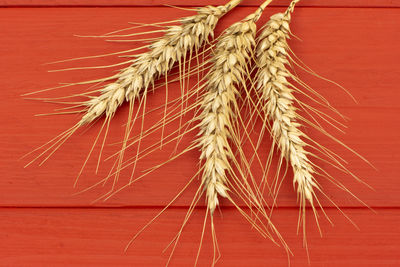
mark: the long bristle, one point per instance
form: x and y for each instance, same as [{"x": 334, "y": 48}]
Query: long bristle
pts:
[{"x": 134, "y": 81}]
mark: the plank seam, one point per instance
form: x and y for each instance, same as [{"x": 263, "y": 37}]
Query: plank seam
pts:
[
  {"x": 186, "y": 6},
  {"x": 372, "y": 208}
]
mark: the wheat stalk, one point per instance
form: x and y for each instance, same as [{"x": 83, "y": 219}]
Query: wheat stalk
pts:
[
  {"x": 278, "y": 103},
  {"x": 277, "y": 93},
  {"x": 147, "y": 67},
  {"x": 232, "y": 54},
  {"x": 218, "y": 121},
  {"x": 134, "y": 81}
]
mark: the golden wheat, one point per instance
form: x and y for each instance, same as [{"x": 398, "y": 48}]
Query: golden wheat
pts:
[
  {"x": 277, "y": 93},
  {"x": 162, "y": 56},
  {"x": 134, "y": 81},
  {"x": 232, "y": 54}
]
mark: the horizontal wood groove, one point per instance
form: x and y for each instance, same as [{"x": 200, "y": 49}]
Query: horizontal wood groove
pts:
[
  {"x": 147, "y": 3},
  {"x": 184, "y": 207}
]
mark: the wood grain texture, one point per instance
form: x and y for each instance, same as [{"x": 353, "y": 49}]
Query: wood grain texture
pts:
[
  {"x": 96, "y": 237},
  {"x": 114, "y": 3},
  {"x": 356, "y": 47},
  {"x": 43, "y": 224}
]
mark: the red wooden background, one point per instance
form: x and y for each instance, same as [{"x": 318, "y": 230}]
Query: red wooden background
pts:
[{"x": 43, "y": 224}]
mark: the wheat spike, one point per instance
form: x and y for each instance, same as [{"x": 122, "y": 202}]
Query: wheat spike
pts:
[
  {"x": 278, "y": 103},
  {"x": 147, "y": 67},
  {"x": 133, "y": 82},
  {"x": 232, "y": 54},
  {"x": 277, "y": 93},
  {"x": 218, "y": 128}
]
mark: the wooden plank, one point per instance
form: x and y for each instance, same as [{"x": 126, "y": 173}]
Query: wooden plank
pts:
[
  {"x": 97, "y": 237},
  {"x": 336, "y": 43},
  {"x": 132, "y": 3}
]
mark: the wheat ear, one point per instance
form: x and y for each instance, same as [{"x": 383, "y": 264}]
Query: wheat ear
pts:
[
  {"x": 218, "y": 128},
  {"x": 277, "y": 99},
  {"x": 134, "y": 81},
  {"x": 229, "y": 67},
  {"x": 147, "y": 67},
  {"x": 276, "y": 91}
]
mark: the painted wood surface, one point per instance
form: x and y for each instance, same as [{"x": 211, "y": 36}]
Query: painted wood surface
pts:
[
  {"x": 364, "y": 58},
  {"x": 97, "y": 237},
  {"x": 114, "y": 3},
  {"x": 44, "y": 223}
]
